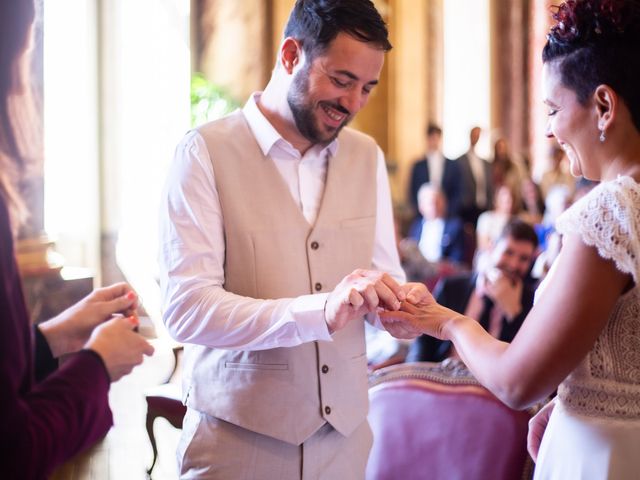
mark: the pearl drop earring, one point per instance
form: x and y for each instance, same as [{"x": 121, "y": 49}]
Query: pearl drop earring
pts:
[{"x": 602, "y": 136}]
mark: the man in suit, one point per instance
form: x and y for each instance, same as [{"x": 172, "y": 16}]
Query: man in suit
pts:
[
  {"x": 438, "y": 237},
  {"x": 477, "y": 190},
  {"x": 499, "y": 297},
  {"x": 438, "y": 170},
  {"x": 277, "y": 240}
]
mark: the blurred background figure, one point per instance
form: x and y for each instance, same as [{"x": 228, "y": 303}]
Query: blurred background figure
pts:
[
  {"x": 490, "y": 223},
  {"x": 439, "y": 237},
  {"x": 477, "y": 186},
  {"x": 499, "y": 296},
  {"x": 435, "y": 247},
  {"x": 505, "y": 170},
  {"x": 558, "y": 174},
  {"x": 436, "y": 169},
  {"x": 533, "y": 206}
]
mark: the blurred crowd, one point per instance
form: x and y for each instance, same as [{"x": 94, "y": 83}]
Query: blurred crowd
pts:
[
  {"x": 481, "y": 235},
  {"x": 462, "y": 205}
]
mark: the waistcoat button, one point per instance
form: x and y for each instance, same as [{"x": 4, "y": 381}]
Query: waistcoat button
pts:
[{"x": 318, "y": 287}]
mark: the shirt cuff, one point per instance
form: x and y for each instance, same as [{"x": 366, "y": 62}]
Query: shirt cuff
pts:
[
  {"x": 374, "y": 320},
  {"x": 308, "y": 314}
]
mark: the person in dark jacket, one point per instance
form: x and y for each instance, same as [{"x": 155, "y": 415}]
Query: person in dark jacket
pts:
[
  {"x": 436, "y": 169},
  {"x": 499, "y": 296}
]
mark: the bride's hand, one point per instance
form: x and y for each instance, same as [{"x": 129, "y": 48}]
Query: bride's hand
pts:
[
  {"x": 416, "y": 293},
  {"x": 537, "y": 426},
  {"x": 427, "y": 317}
]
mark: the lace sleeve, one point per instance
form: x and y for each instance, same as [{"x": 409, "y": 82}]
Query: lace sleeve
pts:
[{"x": 609, "y": 219}]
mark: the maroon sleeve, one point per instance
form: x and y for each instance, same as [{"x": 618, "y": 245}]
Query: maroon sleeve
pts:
[
  {"x": 56, "y": 419},
  {"x": 42, "y": 425}
]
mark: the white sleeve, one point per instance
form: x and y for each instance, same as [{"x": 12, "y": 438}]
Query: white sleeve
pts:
[
  {"x": 608, "y": 218},
  {"x": 385, "y": 249},
  {"x": 196, "y": 308}
]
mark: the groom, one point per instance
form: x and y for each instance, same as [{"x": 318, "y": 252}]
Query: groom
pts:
[{"x": 271, "y": 216}]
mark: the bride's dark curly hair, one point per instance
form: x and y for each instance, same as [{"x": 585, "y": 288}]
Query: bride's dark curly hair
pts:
[{"x": 597, "y": 42}]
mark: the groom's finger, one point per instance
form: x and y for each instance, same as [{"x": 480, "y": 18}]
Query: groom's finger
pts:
[{"x": 355, "y": 299}]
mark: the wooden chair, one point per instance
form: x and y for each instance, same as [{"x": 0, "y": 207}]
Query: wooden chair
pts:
[
  {"x": 434, "y": 421},
  {"x": 164, "y": 401}
]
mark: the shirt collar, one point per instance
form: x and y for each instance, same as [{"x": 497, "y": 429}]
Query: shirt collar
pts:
[{"x": 265, "y": 133}]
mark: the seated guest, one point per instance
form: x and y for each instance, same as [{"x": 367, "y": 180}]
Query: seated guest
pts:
[
  {"x": 439, "y": 237},
  {"x": 499, "y": 297}
]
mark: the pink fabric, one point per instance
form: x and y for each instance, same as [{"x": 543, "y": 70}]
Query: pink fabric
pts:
[{"x": 424, "y": 429}]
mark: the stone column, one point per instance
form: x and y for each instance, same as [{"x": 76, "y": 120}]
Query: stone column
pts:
[
  {"x": 540, "y": 24},
  {"x": 415, "y": 82},
  {"x": 510, "y": 80}
]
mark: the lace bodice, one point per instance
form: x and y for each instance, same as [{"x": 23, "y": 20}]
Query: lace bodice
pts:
[{"x": 607, "y": 382}]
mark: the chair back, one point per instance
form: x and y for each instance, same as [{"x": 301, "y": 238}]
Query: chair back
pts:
[{"x": 435, "y": 421}]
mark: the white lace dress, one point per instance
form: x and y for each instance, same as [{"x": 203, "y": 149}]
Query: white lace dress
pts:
[{"x": 594, "y": 430}]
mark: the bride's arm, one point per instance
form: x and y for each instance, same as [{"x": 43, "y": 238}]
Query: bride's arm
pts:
[{"x": 557, "y": 334}]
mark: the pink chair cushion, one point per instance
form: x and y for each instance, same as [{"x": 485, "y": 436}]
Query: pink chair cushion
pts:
[{"x": 425, "y": 428}]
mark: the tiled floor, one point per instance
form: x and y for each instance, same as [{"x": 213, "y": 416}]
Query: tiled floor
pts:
[{"x": 125, "y": 453}]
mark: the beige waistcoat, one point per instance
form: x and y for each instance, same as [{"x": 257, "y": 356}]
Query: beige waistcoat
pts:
[{"x": 273, "y": 252}]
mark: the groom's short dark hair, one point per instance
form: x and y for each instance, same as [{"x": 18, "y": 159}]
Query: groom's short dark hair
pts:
[{"x": 316, "y": 23}]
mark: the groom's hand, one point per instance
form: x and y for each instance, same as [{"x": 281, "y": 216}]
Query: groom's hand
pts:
[{"x": 359, "y": 293}]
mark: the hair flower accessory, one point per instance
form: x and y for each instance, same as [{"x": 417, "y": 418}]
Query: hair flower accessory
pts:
[{"x": 586, "y": 20}]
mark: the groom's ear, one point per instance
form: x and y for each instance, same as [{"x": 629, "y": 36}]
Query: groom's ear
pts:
[{"x": 291, "y": 54}]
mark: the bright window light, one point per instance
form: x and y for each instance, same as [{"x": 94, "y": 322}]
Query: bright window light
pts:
[
  {"x": 70, "y": 126},
  {"x": 467, "y": 66}
]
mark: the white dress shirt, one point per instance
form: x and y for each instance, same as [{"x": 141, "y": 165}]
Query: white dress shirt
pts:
[
  {"x": 436, "y": 160},
  {"x": 478, "y": 171},
  {"x": 197, "y": 309},
  {"x": 430, "y": 243}
]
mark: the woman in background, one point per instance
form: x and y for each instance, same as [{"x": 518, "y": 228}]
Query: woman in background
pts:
[
  {"x": 491, "y": 223},
  {"x": 43, "y": 424},
  {"x": 582, "y": 335}
]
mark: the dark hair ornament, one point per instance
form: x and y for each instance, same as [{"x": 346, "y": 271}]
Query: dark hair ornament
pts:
[{"x": 587, "y": 21}]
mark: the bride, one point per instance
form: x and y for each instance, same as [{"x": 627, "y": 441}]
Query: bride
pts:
[{"x": 583, "y": 335}]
